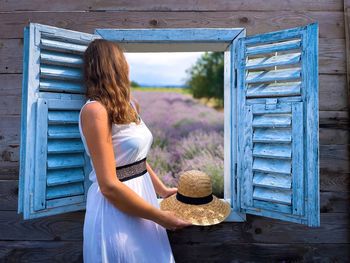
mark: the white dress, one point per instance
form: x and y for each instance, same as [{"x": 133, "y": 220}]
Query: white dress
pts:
[{"x": 110, "y": 235}]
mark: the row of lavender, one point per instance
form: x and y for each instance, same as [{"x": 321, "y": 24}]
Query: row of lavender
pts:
[{"x": 186, "y": 135}]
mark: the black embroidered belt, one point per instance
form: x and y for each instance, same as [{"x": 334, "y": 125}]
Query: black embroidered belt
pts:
[{"x": 131, "y": 170}]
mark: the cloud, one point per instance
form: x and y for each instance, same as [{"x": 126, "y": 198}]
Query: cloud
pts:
[{"x": 162, "y": 68}]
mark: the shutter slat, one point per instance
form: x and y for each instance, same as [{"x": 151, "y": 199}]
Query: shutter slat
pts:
[
  {"x": 63, "y": 117},
  {"x": 273, "y": 75},
  {"x": 67, "y": 131},
  {"x": 272, "y": 135},
  {"x": 273, "y": 195},
  {"x": 56, "y": 45},
  {"x": 278, "y": 151},
  {"x": 269, "y": 165},
  {"x": 55, "y": 161},
  {"x": 64, "y": 176},
  {"x": 273, "y": 181},
  {"x": 60, "y": 59},
  {"x": 61, "y": 73},
  {"x": 272, "y": 121},
  {"x": 274, "y": 90},
  {"x": 275, "y": 47},
  {"x": 65, "y": 146},
  {"x": 74, "y": 200},
  {"x": 64, "y": 190},
  {"x": 277, "y": 60},
  {"x": 61, "y": 86},
  {"x": 271, "y": 206}
]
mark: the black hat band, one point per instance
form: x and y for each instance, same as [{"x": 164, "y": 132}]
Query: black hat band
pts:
[{"x": 194, "y": 200}]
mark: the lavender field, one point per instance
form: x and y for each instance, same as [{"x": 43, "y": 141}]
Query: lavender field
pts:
[{"x": 186, "y": 135}]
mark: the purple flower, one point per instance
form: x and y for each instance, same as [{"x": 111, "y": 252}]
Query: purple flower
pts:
[{"x": 186, "y": 135}]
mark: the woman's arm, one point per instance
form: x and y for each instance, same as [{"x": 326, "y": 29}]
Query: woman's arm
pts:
[
  {"x": 95, "y": 127},
  {"x": 159, "y": 187},
  {"x": 98, "y": 138}
]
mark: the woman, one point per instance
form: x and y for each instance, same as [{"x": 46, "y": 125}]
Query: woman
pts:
[{"x": 123, "y": 221}]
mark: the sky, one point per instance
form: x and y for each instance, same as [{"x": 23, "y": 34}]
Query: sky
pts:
[{"x": 162, "y": 68}]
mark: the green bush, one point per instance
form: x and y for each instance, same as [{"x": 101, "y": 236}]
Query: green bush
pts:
[
  {"x": 134, "y": 84},
  {"x": 206, "y": 77}
]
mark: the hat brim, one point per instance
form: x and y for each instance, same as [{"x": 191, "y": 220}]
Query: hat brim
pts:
[{"x": 211, "y": 213}]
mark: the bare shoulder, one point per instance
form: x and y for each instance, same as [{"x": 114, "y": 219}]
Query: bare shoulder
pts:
[{"x": 94, "y": 111}]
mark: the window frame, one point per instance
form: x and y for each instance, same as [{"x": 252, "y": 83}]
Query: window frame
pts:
[{"x": 198, "y": 39}]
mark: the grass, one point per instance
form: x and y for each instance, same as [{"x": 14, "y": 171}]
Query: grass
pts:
[{"x": 165, "y": 89}]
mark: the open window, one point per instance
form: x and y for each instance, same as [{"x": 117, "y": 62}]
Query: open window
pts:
[{"x": 271, "y": 117}]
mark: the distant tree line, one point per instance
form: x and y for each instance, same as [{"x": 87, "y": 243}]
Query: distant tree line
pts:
[
  {"x": 206, "y": 77},
  {"x": 134, "y": 84}
]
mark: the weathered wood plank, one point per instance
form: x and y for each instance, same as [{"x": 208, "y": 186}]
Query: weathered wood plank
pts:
[
  {"x": 260, "y": 229},
  {"x": 333, "y": 136},
  {"x": 347, "y": 36},
  {"x": 41, "y": 251},
  {"x": 331, "y": 61},
  {"x": 337, "y": 202},
  {"x": 335, "y": 98},
  {"x": 332, "y": 58},
  {"x": 8, "y": 194},
  {"x": 66, "y": 226},
  {"x": 179, "y": 5},
  {"x": 334, "y": 119},
  {"x": 334, "y": 181},
  {"x": 256, "y": 252},
  {"x": 9, "y": 170},
  {"x": 69, "y": 226},
  {"x": 335, "y": 158},
  {"x": 331, "y": 24},
  {"x": 61, "y": 251}
]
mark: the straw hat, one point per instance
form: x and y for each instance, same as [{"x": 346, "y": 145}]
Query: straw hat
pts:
[{"x": 194, "y": 201}]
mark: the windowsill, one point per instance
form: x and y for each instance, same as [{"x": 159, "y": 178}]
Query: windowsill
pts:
[{"x": 233, "y": 217}]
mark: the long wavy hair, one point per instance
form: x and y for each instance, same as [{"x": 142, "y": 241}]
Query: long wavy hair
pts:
[{"x": 106, "y": 76}]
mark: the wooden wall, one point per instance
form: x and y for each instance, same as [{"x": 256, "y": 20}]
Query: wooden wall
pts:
[{"x": 259, "y": 239}]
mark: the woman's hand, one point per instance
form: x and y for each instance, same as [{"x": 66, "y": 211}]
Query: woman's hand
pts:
[
  {"x": 168, "y": 191},
  {"x": 170, "y": 221}
]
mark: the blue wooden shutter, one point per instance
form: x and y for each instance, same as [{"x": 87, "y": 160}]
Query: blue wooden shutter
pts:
[
  {"x": 278, "y": 152},
  {"x": 54, "y": 167}
]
